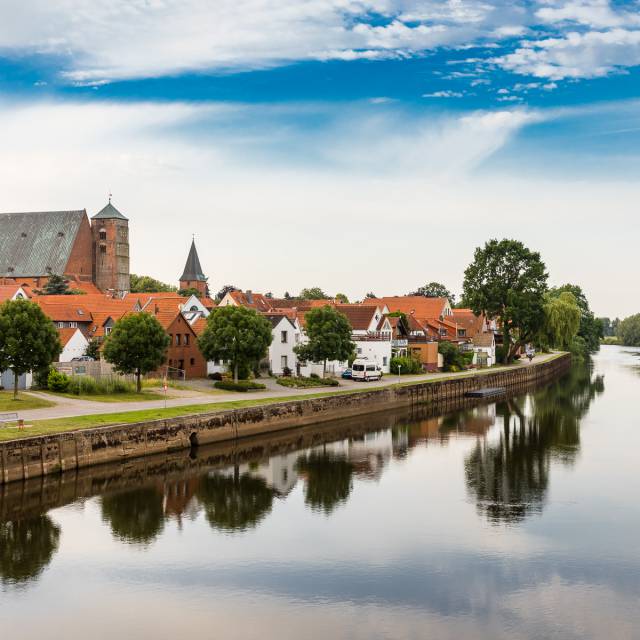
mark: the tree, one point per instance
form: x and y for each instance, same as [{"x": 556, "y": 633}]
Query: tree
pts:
[
  {"x": 93, "y": 349},
  {"x": 629, "y": 331},
  {"x": 147, "y": 284},
  {"x": 134, "y": 516},
  {"x": 434, "y": 290},
  {"x": 137, "y": 344},
  {"x": 341, "y": 297},
  {"x": 371, "y": 295},
  {"x": 452, "y": 358},
  {"x": 55, "y": 286},
  {"x": 287, "y": 295},
  {"x": 191, "y": 291},
  {"x": 28, "y": 339},
  {"x": 236, "y": 334},
  {"x": 329, "y": 337},
  {"x": 269, "y": 295},
  {"x": 561, "y": 320},
  {"x": 313, "y": 293},
  {"x": 223, "y": 292},
  {"x": 328, "y": 480},
  {"x": 590, "y": 327},
  {"x": 507, "y": 281}
]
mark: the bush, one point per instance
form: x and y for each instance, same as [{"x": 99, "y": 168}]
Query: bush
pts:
[
  {"x": 315, "y": 376},
  {"x": 242, "y": 386},
  {"x": 41, "y": 378},
  {"x": 405, "y": 365},
  {"x": 86, "y": 385},
  {"x": 452, "y": 358},
  {"x": 215, "y": 376},
  {"x": 286, "y": 372},
  {"x": 306, "y": 383},
  {"x": 57, "y": 381}
]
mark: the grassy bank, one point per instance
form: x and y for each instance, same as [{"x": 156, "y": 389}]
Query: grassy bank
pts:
[
  {"x": 24, "y": 402},
  {"x": 127, "y": 396}
]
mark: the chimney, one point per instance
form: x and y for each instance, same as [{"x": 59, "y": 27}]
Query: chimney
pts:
[{"x": 249, "y": 296}]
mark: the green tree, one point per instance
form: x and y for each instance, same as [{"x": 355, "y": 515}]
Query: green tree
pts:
[
  {"x": 452, "y": 359},
  {"x": 93, "y": 349},
  {"x": 507, "y": 281},
  {"x": 287, "y": 295},
  {"x": 329, "y": 479},
  {"x": 629, "y": 331},
  {"x": 590, "y": 327},
  {"x": 434, "y": 290},
  {"x": 56, "y": 286},
  {"x": 28, "y": 339},
  {"x": 137, "y": 344},
  {"x": 236, "y": 334},
  {"x": 371, "y": 295},
  {"x": 561, "y": 320},
  {"x": 341, "y": 297},
  {"x": 223, "y": 292},
  {"x": 329, "y": 337},
  {"x": 147, "y": 284},
  {"x": 313, "y": 293},
  {"x": 191, "y": 291}
]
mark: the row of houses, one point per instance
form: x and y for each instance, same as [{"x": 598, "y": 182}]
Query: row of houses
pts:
[{"x": 381, "y": 327}]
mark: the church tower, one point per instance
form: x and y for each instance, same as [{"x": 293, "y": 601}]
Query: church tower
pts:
[
  {"x": 110, "y": 232},
  {"x": 192, "y": 277}
]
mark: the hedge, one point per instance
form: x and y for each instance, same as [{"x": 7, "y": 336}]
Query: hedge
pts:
[{"x": 243, "y": 385}]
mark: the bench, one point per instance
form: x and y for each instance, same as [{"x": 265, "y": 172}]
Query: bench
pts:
[{"x": 6, "y": 418}]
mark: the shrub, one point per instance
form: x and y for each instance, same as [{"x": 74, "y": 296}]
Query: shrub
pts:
[
  {"x": 215, "y": 376},
  {"x": 305, "y": 383},
  {"x": 57, "y": 381},
  {"x": 286, "y": 372},
  {"x": 41, "y": 378},
  {"x": 86, "y": 385},
  {"x": 405, "y": 365},
  {"x": 315, "y": 376},
  {"x": 242, "y": 386},
  {"x": 451, "y": 356}
]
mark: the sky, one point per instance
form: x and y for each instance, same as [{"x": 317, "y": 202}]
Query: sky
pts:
[{"x": 355, "y": 145}]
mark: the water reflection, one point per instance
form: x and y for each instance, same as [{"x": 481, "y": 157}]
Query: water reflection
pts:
[
  {"x": 26, "y": 548},
  {"x": 328, "y": 479},
  {"x": 509, "y": 478},
  {"x": 136, "y": 516}
]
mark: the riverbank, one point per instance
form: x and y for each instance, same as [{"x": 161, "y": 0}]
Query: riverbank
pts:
[{"x": 34, "y": 456}]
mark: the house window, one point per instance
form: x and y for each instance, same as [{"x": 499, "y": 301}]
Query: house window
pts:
[
  {"x": 359, "y": 350},
  {"x": 462, "y": 333},
  {"x": 384, "y": 361},
  {"x": 186, "y": 339},
  {"x": 103, "y": 248},
  {"x": 73, "y": 325},
  {"x": 103, "y": 234},
  {"x": 284, "y": 336},
  {"x": 192, "y": 361},
  {"x": 107, "y": 330},
  {"x": 177, "y": 339},
  {"x": 284, "y": 361},
  {"x": 443, "y": 331}
]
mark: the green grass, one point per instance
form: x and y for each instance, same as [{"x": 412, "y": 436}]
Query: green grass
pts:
[
  {"x": 129, "y": 396},
  {"x": 59, "y": 425},
  {"x": 24, "y": 402}
]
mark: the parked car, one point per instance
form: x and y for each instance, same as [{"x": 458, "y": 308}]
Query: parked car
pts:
[
  {"x": 347, "y": 374},
  {"x": 83, "y": 359},
  {"x": 363, "y": 369}
]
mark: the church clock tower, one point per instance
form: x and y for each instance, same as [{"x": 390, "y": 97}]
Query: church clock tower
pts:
[{"x": 110, "y": 232}]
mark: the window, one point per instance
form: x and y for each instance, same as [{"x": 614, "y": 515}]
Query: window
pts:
[
  {"x": 103, "y": 234},
  {"x": 192, "y": 361},
  {"x": 73, "y": 325},
  {"x": 284, "y": 337},
  {"x": 60, "y": 325},
  {"x": 107, "y": 330},
  {"x": 283, "y": 361},
  {"x": 462, "y": 333},
  {"x": 297, "y": 338},
  {"x": 178, "y": 339},
  {"x": 186, "y": 339},
  {"x": 384, "y": 361},
  {"x": 359, "y": 350}
]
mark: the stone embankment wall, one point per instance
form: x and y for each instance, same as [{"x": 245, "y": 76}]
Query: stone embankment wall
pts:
[{"x": 43, "y": 455}]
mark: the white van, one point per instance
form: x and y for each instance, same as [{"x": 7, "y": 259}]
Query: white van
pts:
[{"x": 363, "y": 369}]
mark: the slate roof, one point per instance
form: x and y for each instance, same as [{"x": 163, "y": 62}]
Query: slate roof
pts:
[
  {"x": 108, "y": 213},
  {"x": 192, "y": 269},
  {"x": 38, "y": 243}
]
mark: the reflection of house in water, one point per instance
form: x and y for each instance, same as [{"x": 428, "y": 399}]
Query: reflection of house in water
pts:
[{"x": 180, "y": 498}]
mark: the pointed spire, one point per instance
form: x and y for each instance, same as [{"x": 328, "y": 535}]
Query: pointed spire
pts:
[{"x": 192, "y": 269}]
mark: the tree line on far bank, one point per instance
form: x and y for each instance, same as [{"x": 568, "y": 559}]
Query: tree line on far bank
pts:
[{"x": 625, "y": 332}]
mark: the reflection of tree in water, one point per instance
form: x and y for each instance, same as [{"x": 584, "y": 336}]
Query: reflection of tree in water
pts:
[
  {"x": 328, "y": 480},
  {"x": 134, "y": 516},
  {"x": 510, "y": 478},
  {"x": 26, "y": 548},
  {"x": 235, "y": 503}
]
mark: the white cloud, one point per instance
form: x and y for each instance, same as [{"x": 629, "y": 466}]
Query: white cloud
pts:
[
  {"x": 443, "y": 94},
  {"x": 575, "y": 55},
  {"x": 597, "y": 14}
]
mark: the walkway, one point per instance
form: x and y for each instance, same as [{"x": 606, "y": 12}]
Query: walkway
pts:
[{"x": 68, "y": 407}]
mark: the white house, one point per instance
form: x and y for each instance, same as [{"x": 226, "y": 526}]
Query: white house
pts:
[
  {"x": 74, "y": 344},
  {"x": 286, "y": 335},
  {"x": 484, "y": 349}
]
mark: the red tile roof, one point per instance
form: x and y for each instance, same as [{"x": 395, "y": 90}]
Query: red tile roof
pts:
[
  {"x": 417, "y": 306},
  {"x": 66, "y": 334}
]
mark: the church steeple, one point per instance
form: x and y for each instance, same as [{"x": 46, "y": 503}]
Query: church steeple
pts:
[{"x": 192, "y": 277}]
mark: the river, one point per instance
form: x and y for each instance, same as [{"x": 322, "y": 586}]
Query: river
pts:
[{"x": 516, "y": 519}]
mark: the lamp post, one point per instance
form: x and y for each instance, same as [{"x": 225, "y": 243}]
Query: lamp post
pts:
[{"x": 399, "y": 372}]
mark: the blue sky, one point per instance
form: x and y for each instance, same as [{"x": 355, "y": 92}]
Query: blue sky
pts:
[{"x": 296, "y": 125}]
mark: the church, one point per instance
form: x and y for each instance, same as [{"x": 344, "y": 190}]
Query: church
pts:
[{"x": 92, "y": 254}]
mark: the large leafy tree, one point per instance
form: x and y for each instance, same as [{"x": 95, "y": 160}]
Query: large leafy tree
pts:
[
  {"x": 561, "y": 320},
  {"x": 590, "y": 330},
  {"x": 434, "y": 290},
  {"x": 224, "y": 290},
  {"x": 28, "y": 339},
  {"x": 507, "y": 281},
  {"x": 329, "y": 337},
  {"x": 147, "y": 284},
  {"x": 236, "y": 334},
  {"x": 313, "y": 293},
  {"x": 629, "y": 331},
  {"x": 137, "y": 344}
]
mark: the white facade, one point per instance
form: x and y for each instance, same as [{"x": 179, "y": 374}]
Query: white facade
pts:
[
  {"x": 378, "y": 351},
  {"x": 281, "y": 354},
  {"x": 484, "y": 354},
  {"x": 76, "y": 346}
]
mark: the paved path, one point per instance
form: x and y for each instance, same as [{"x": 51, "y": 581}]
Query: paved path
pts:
[{"x": 68, "y": 407}]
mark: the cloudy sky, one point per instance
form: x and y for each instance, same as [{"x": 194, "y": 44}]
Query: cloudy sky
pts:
[{"x": 356, "y": 145}]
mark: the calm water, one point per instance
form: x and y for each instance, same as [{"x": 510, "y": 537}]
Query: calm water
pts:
[{"x": 512, "y": 520}]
